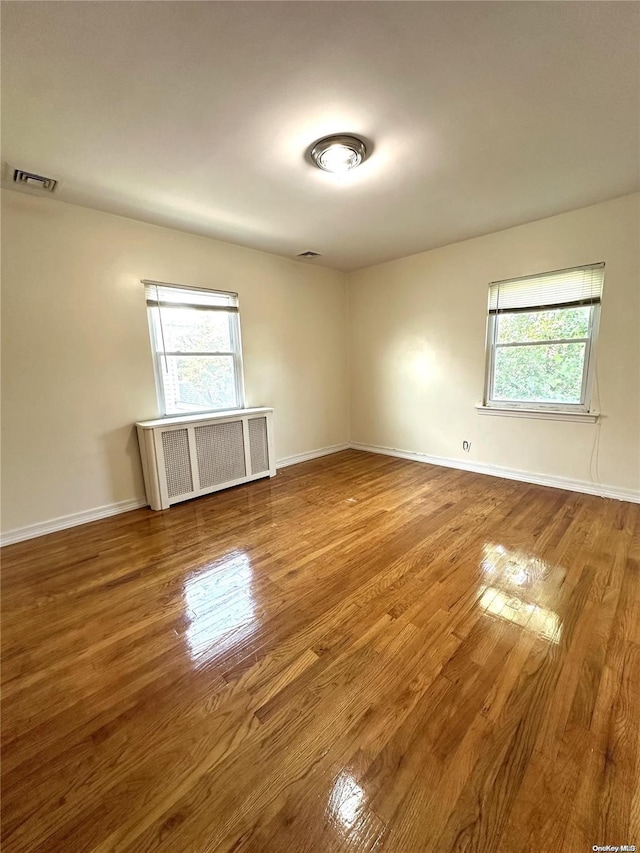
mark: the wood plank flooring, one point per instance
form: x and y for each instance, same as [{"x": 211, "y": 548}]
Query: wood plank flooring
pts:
[{"x": 362, "y": 654}]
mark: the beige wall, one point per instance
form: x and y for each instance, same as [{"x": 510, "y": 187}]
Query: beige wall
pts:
[
  {"x": 77, "y": 367},
  {"x": 417, "y": 349}
]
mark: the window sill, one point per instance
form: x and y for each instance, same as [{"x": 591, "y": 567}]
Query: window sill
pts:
[{"x": 541, "y": 414}]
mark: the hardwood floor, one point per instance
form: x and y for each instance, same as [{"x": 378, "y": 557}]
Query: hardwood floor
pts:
[{"x": 362, "y": 654}]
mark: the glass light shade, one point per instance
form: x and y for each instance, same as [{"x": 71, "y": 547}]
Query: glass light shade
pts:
[
  {"x": 338, "y": 158},
  {"x": 338, "y": 153}
]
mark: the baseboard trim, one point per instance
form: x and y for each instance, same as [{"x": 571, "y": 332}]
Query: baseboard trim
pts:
[
  {"x": 312, "y": 454},
  {"x": 507, "y": 473},
  {"x": 31, "y": 531}
]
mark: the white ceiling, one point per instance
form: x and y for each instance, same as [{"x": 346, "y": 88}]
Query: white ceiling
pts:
[{"x": 197, "y": 115}]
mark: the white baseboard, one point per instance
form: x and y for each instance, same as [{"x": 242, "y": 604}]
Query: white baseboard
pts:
[
  {"x": 31, "y": 531},
  {"x": 508, "y": 473},
  {"x": 64, "y": 521},
  {"x": 312, "y": 454}
]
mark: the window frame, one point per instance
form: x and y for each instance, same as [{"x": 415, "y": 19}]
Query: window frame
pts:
[
  {"x": 158, "y": 352},
  {"x": 588, "y": 368}
]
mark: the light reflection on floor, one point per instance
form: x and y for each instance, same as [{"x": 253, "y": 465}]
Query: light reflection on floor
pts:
[
  {"x": 345, "y": 801},
  {"x": 220, "y": 603},
  {"x": 515, "y": 567},
  {"x": 507, "y": 569}
]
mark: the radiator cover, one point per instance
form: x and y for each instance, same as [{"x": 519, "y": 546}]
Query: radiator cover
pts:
[{"x": 185, "y": 457}]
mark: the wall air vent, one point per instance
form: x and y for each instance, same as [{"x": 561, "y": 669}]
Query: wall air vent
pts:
[
  {"x": 309, "y": 255},
  {"x": 38, "y": 182}
]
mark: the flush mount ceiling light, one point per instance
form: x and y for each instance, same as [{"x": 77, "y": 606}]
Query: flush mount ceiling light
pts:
[{"x": 338, "y": 153}]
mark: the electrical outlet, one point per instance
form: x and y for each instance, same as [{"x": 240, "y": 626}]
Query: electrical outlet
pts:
[{"x": 466, "y": 446}]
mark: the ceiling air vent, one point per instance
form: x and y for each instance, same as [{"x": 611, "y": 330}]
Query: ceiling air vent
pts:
[
  {"x": 309, "y": 255},
  {"x": 38, "y": 182}
]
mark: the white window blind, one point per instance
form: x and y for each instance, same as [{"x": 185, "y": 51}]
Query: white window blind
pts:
[
  {"x": 559, "y": 289},
  {"x": 178, "y": 296}
]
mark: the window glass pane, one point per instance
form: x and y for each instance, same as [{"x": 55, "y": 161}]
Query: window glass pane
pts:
[
  {"x": 543, "y": 325},
  {"x": 550, "y": 373},
  {"x": 194, "y": 383},
  {"x": 190, "y": 330}
]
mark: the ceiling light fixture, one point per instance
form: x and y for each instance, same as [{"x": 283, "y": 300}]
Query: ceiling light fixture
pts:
[{"x": 338, "y": 153}]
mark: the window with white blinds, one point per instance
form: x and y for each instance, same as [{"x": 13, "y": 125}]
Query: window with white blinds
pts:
[
  {"x": 195, "y": 338},
  {"x": 541, "y": 334}
]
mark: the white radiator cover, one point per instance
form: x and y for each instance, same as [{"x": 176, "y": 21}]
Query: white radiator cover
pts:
[{"x": 185, "y": 457}]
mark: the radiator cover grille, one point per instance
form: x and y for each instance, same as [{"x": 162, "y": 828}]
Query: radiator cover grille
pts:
[
  {"x": 177, "y": 462},
  {"x": 192, "y": 455},
  {"x": 220, "y": 453},
  {"x": 258, "y": 445}
]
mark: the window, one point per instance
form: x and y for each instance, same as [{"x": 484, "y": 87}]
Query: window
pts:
[
  {"x": 195, "y": 336},
  {"x": 541, "y": 335}
]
